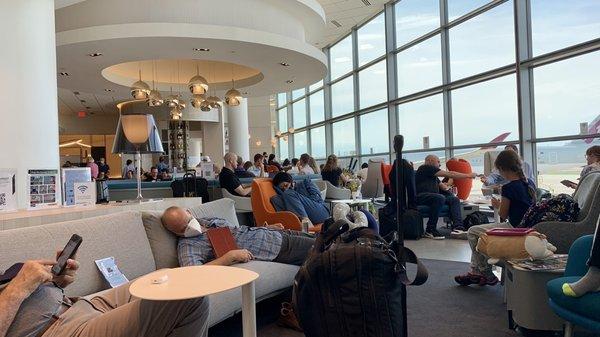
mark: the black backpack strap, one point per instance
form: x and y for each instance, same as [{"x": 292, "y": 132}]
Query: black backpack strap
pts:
[{"x": 409, "y": 256}]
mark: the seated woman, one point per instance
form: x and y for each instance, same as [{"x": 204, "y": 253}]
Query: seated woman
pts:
[
  {"x": 592, "y": 156},
  {"x": 302, "y": 198},
  {"x": 332, "y": 172},
  {"x": 304, "y": 165},
  {"x": 517, "y": 196}
]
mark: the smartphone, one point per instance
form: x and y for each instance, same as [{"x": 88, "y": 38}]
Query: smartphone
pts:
[{"x": 67, "y": 253}]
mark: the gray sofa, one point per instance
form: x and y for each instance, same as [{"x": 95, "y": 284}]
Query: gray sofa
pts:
[
  {"x": 563, "y": 234},
  {"x": 140, "y": 245}
]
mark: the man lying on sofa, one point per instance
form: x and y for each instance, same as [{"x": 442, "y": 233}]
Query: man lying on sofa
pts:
[
  {"x": 33, "y": 304},
  {"x": 270, "y": 243}
]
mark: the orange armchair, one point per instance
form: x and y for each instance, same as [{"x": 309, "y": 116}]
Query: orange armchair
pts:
[
  {"x": 263, "y": 210},
  {"x": 462, "y": 185}
]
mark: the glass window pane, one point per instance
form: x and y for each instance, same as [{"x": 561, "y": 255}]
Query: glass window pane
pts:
[
  {"x": 317, "y": 143},
  {"x": 340, "y": 56},
  {"x": 343, "y": 138},
  {"x": 298, "y": 93},
  {"x": 281, "y": 99},
  {"x": 316, "y": 86},
  {"x": 283, "y": 149},
  {"x": 567, "y": 97},
  {"x": 317, "y": 107},
  {"x": 483, "y": 43},
  {"x": 342, "y": 97},
  {"x": 420, "y": 67},
  {"x": 557, "y": 161},
  {"x": 300, "y": 143},
  {"x": 458, "y": 8},
  {"x": 374, "y": 137},
  {"x": 415, "y": 18},
  {"x": 373, "y": 84},
  {"x": 299, "y": 112},
  {"x": 282, "y": 118},
  {"x": 371, "y": 40},
  {"x": 556, "y": 24},
  {"x": 420, "y": 119},
  {"x": 492, "y": 106},
  {"x": 418, "y": 158}
]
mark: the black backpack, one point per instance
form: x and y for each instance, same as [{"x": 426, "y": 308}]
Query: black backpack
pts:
[
  {"x": 475, "y": 219},
  {"x": 352, "y": 285},
  {"x": 412, "y": 220}
]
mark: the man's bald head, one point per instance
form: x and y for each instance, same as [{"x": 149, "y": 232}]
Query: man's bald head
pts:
[
  {"x": 432, "y": 160},
  {"x": 175, "y": 219}
]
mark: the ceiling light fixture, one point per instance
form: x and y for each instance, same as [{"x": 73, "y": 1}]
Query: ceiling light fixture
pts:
[
  {"x": 95, "y": 54},
  {"x": 285, "y": 64},
  {"x": 108, "y": 90},
  {"x": 63, "y": 73},
  {"x": 140, "y": 89},
  {"x": 205, "y": 106},
  {"x": 289, "y": 81},
  {"x": 197, "y": 100},
  {"x": 154, "y": 98},
  {"x": 213, "y": 100},
  {"x": 233, "y": 97},
  {"x": 198, "y": 84}
]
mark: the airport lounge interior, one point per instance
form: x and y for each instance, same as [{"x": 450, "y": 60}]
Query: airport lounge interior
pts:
[{"x": 290, "y": 168}]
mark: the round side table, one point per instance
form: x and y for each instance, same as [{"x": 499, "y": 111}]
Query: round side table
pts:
[{"x": 199, "y": 281}]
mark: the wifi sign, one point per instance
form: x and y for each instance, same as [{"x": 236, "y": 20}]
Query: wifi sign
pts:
[{"x": 82, "y": 188}]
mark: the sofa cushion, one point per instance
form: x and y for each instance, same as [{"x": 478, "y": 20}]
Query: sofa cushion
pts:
[
  {"x": 120, "y": 235},
  {"x": 273, "y": 277},
  {"x": 164, "y": 244}
]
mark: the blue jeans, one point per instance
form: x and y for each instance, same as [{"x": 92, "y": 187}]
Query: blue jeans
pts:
[
  {"x": 436, "y": 201},
  {"x": 304, "y": 201}
]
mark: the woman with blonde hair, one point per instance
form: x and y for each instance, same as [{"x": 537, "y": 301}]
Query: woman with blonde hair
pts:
[{"x": 332, "y": 171}]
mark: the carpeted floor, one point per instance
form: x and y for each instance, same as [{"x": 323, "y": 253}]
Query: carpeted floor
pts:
[{"x": 438, "y": 308}]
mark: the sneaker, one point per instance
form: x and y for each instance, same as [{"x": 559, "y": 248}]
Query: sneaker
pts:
[
  {"x": 433, "y": 234},
  {"x": 471, "y": 278}
]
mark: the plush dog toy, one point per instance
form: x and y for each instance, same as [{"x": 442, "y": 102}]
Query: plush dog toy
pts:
[
  {"x": 354, "y": 219},
  {"x": 532, "y": 246}
]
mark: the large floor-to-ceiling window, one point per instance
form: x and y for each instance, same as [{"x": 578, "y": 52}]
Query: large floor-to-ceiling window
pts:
[{"x": 458, "y": 78}]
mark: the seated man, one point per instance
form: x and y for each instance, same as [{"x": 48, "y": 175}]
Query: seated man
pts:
[
  {"x": 152, "y": 175},
  {"x": 228, "y": 179},
  {"x": 33, "y": 304},
  {"x": 433, "y": 193},
  {"x": 303, "y": 198},
  {"x": 271, "y": 243},
  {"x": 258, "y": 168}
]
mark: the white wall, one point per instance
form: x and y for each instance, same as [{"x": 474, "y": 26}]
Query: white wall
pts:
[{"x": 259, "y": 122}]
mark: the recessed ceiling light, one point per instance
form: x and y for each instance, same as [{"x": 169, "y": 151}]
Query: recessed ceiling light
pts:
[
  {"x": 95, "y": 54},
  {"x": 285, "y": 64},
  {"x": 289, "y": 81},
  {"x": 245, "y": 93},
  {"x": 64, "y": 73},
  {"x": 108, "y": 90},
  {"x": 201, "y": 49}
]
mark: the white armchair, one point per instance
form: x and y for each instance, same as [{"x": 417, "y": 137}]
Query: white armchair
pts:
[
  {"x": 337, "y": 193},
  {"x": 373, "y": 186},
  {"x": 322, "y": 186},
  {"x": 242, "y": 204}
]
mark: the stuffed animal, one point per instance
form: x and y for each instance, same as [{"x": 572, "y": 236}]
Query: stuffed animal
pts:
[
  {"x": 354, "y": 219},
  {"x": 532, "y": 246}
]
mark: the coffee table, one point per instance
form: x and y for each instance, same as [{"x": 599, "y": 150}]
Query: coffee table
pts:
[{"x": 199, "y": 281}]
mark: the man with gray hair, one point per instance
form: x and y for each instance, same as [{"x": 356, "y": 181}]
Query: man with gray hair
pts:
[{"x": 227, "y": 178}]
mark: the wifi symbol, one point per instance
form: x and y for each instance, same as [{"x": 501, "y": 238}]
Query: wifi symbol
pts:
[{"x": 82, "y": 188}]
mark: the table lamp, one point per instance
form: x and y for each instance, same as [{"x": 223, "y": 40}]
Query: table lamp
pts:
[{"x": 137, "y": 134}]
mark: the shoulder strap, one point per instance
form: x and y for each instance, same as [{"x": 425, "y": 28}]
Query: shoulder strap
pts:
[{"x": 408, "y": 256}]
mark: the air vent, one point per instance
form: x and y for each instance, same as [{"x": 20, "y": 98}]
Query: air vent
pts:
[
  {"x": 62, "y": 73},
  {"x": 75, "y": 93},
  {"x": 82, "y": 100},
  {"x": 335, "y": 23},
  {"x": 366, "y": 2}
]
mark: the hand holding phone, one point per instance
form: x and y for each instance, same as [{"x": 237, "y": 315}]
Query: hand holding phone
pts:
[{"x": 67, "y": 253}]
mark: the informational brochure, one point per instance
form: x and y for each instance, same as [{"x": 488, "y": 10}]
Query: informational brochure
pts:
[
  {"x": 85, "y": 193},
  {"x": 41, "y": 187},
  {"x": 70, "y": 176},
  {"x": 111, "y": 272},
  {"x": 207, "y": 170},
  {"x": 8, "y": 190}
]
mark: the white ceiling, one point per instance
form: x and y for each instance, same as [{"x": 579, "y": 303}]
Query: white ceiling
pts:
[{"x": 348, "y": 13}]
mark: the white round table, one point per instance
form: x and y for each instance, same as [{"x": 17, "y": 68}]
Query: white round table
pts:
[{"x": 199, "y": 281}]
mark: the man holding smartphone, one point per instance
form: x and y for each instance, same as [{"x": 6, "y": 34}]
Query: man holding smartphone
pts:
[{"x": 33, "y": 304}]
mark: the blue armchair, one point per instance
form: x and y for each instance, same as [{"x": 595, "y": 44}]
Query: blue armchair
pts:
[{"x": 583, "y": 311}]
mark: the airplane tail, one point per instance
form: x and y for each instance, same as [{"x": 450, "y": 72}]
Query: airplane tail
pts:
[{"x": 496, "y": 140}]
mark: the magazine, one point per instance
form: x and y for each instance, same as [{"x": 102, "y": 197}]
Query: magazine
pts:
[{"x": 556, "y": 262}]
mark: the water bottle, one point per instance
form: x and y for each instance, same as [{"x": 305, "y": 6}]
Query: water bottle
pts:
[{"x": 305, "y": 225}]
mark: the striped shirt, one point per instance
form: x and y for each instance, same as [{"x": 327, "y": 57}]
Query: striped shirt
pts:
[{"x": 263, "y": 243}]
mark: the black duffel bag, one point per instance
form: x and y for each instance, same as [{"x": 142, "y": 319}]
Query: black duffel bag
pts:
[
  {"x": 411, "y": 219},
  {"x": 351, "y": 285}
]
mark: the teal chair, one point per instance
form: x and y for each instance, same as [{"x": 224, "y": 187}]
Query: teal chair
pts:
[{"x": 583, "y": 311}]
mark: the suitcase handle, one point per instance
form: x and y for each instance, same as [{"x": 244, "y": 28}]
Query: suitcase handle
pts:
[{"x": 408, "y": 256}]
